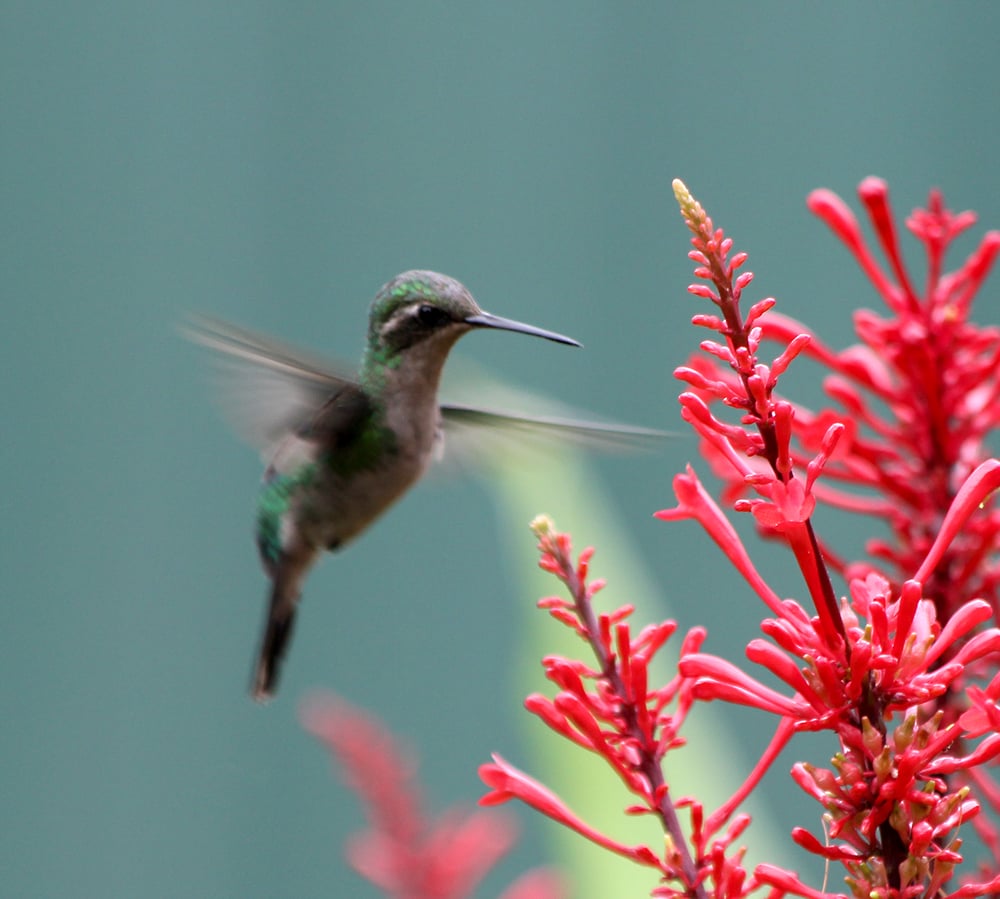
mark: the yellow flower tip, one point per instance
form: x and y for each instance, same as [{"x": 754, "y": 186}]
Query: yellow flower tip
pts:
[
  {"x": 691, "y": 209},
  {"x": 684, "y": 199},
  {"x": 542, "y": 526}
]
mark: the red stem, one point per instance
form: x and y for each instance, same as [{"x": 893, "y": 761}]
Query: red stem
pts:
[
  {"x": 807, "y": 551},
  {"x": 648, "y": 763}
]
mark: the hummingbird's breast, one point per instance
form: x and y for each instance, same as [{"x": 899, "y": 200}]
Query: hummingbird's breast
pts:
[
  {"x": 330, "y": 481},
  {"x": 358, "y": 481}
]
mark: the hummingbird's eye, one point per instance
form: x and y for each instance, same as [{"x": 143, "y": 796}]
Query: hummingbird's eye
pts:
[{"x": 432, "y": 316}]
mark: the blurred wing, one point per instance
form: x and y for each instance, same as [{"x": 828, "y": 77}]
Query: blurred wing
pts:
[
  {"x": 480, "y": 428},
  {"x": 492, "y": 423},
  {"x": 267, "y": 389}
]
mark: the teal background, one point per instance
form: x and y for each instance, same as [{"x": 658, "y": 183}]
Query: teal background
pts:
[{"x": 274, "y": 164}]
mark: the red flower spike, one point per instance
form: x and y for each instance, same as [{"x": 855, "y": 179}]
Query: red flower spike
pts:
[
  {"x": 404, "y": 854},
  {"x": 611, "y": 709},
  {"x": 898, "y": 671},
  {"x": 786, "y": 505},
  {"x": 938, "y": 379}
]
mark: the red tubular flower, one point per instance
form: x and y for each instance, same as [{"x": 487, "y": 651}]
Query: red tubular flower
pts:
[
  {"x": 509, "y": 782},
  {"x": 695, "y": 502}
]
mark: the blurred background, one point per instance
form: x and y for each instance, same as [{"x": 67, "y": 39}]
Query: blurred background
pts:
[{"x": 274, "y": 164}]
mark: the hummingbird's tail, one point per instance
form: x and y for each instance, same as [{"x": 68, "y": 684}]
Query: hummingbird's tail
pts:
[
  {"x": 274, "y": 642},
  {"x": 278, "y": 625}
]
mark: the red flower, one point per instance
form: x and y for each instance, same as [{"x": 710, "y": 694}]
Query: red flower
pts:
[
  {"x": 405, "y": 854},
  {"x": 610, "y": 708},
  {"x": 509, "y": 782},
  {"x": 895, "y": 670}
]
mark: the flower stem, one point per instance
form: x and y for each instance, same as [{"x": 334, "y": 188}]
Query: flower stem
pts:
[{"x": 648, "y": 763}]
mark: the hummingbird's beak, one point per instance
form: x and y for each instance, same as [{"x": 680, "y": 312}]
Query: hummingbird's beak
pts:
[{"x": 488, "y": 320}]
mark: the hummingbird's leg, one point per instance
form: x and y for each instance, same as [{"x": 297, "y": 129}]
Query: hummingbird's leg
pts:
[{"x": 287, "y": 575}]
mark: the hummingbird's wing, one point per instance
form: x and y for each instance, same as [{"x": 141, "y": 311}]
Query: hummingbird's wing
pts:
[
  {"x": 461, "y": 422},
  {"x": 479, "y": 423},
  {"x": 269, "y": 390}
]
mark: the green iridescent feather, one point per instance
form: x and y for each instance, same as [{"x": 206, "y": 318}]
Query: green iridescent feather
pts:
[{"x": 273, "y": 503}]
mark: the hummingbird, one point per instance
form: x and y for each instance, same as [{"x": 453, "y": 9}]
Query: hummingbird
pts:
[{"x": 343, "y": 447}]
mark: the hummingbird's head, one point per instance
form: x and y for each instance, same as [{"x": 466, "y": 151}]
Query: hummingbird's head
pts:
[{"x": 431, "y": 310}]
